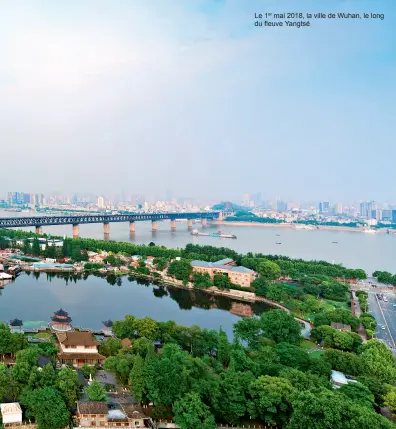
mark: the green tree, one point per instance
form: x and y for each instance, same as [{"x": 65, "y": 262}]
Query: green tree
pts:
[
  {"x": 269, "y": 270},
  {"x": 221, "y": 281},
  {"x": 36, "y": 247},
  {"x": 191, "y": 413},
  {"x": 88, "y": 370},
  {"x": 137, "y": 380},
  {"x": 95, "y": 391},
  {"x": 377, "y": 388},
  {"x": 47, "y": 406},
  {"x": 68, "y": 384},
  {"x": 359, "y": 393},
  {"x": 110, "y": 348},
  {"x": 249, "y": 329},
  {"x": 325, "y": 409},
  {"x": 145, "y": 327},
  {"x": 224, "y": 348},
  {"x": 378, "y": 361},
  {"x": 390, "y": 399},
  {"x": 270, "y": 399},
  {"x": 125, "y": 328},
  {"x": 181, "y": 270},
  {"x": 4, "y": 381},
  {"x": 280, "y": 326}
]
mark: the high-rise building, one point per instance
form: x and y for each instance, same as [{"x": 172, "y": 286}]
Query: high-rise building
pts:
[
  {"x": 338, "y": 208},
  {"x": 101, "y": 202},
  {"x": 393, "y": 216},
  {"x": 281, "y": 206},
  {"x": 324, "y": 207},
  {"x": 246, "y": 200},
  {"x": 386, "y": 215},
  {"x": 366, "y": 209}
]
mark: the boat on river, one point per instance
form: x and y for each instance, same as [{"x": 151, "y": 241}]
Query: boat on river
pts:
[{"x": 217, "y": 234}]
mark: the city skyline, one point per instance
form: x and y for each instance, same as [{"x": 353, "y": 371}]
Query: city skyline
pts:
[{"x": 196, "y": 99}]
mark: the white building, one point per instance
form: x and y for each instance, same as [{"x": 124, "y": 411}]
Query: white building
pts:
[
  {"x": 11, "y": 412},
  {"x": 101, "y": 202}
]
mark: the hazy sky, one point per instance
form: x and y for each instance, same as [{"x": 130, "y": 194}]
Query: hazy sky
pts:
[{"x": 188, "y": 95}]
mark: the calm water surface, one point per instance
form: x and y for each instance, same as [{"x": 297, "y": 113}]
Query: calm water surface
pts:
[
  {"x": 354, "y": 249},
  {"x": 34, "y": 298}
]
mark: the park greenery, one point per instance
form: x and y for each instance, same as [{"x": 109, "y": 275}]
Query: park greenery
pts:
[
  {"x": 385, "y": 277},
  {"x": 198, "y": 377}
]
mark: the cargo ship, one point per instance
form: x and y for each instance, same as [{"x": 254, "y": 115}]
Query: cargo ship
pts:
[{"x": 217, "y": 234}]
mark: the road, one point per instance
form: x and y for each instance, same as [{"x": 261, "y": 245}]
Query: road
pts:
[{"x": 385, "y": 315}]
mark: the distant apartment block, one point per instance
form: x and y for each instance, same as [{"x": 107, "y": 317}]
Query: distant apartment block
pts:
[{"x": 238, "y": 275}]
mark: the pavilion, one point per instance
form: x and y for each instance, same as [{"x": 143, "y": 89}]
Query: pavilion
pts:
[
  {"x": 61, "y": 321},
  {"x": 16, "y": 325},
  {"x": 108, "y": 324}
]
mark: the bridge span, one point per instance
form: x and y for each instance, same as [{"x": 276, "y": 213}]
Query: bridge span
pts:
[{"x": 76, "y": 220}]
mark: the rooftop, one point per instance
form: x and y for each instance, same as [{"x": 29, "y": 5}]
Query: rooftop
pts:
[
  {"x": 10, "y": 408},
  {"x": 16, "y": 322},
  {"x": 92, "y": 407},
  {"x": 205, "y": 264},
  {"x": 77, "y": 339}
]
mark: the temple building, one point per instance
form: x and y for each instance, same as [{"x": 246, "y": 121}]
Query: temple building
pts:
[
  {"x": 78, "y": 348},
  {"x": 16, "y": 325},
  {"x": 61, "y": 321},
  {"x": 108, "y": 324}
]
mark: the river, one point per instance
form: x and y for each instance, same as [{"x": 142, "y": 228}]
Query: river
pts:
[
  {"x": 34, "y": 297},
  {"x": 353, "y": 249}
]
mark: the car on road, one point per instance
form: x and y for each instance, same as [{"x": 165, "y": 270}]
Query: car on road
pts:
[{"x": 383, "y": 327}]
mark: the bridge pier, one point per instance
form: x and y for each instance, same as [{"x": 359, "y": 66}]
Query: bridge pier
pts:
[
  {"x": 154, "y": 225},
  {"x": 39, "y": 230},
  {"x": 75, "y": 230},
  {"x": 221, "y": 216},
  {"x": 106, "y": 228},
  {"x": 204, "y": 222},
  {"x": 189, "y": 223},
  {"x": 132, "y": 227},
  {"x": 173, "y": 225}
]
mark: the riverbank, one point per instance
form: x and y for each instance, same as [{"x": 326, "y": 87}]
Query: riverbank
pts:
[{"x": 293, "y": 226}]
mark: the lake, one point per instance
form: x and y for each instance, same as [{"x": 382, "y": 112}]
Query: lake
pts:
[{"x": 34, "y": 297}]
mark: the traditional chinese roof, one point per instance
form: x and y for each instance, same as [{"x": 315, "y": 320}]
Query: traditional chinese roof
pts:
[
  {"x": 108, "y": 323},
  {"x": 81, "y": 356},
  {"x": 61, "y": 312},
  {"x": 125, "y": 343},
  {"x": 77, "y": 339},
  {"x": 61, "y": 319},
  {"x": 16, "y": 322},
  {"x": 92, "y": 407},
  {"x": 134, "y": 411}
]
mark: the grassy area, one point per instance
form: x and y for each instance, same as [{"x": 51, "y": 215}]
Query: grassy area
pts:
[
  {"x": 43, "y": 335},
  {"x": 306, "y": 344},
  {"x": 337, "y": 304},
  {"x": 316, "y": 353}
]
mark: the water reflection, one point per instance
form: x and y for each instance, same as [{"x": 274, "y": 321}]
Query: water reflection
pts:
[{"x": 187, "y": 299}]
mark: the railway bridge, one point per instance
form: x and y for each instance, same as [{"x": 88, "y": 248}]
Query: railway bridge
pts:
[{"x": 76, "y": 220}]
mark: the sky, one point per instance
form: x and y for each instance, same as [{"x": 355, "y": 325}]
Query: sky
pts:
[{"x": 189, "y": 96}]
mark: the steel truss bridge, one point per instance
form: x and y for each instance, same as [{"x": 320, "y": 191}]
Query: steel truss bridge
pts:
[{"x": 39, "y": 221}]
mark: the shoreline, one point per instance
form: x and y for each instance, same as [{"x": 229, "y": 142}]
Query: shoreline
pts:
[
  {"x": 292, "y": 226},
  {"x": 234, "y": 294}
]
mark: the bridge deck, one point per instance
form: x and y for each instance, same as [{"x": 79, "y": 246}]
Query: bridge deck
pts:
[{"x": 37, "y": 221}]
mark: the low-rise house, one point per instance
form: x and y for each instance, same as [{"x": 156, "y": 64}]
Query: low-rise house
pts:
[
  {"x": 90, "y": 413},
  {"x": 11, "y": 413},
  {"x": 97, "y": 414},
  {"x": 78, "y": 348},
  {"x": 241, "y": 276}
]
